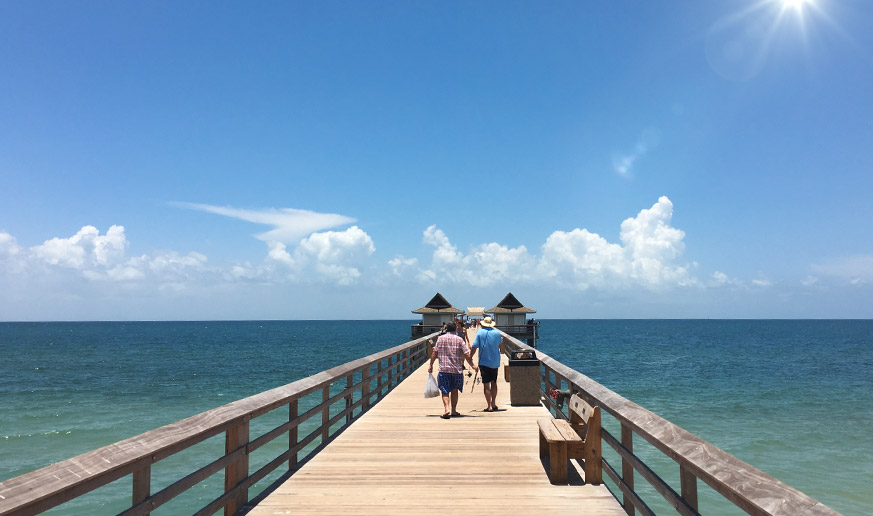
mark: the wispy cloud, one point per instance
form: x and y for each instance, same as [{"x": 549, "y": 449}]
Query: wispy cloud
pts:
[
  {"x": 855, "y": 270},
  {"x": 622, "y": 164},
  {"x": 290, "y": 225}
]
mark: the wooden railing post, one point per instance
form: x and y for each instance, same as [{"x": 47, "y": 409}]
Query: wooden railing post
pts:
[
  {"x": 404, "y": 360},
  {"x": 379, "y": 382},
  {"x": 350, "y": 380},
  {"x": 627, "y": 469},
  {"x": 689, "y": 486},
  {"x": 325, "y": 414},
  {"x": 236, "y": 436},
  {"x": 142, "y": 480},
  {"x": 365, "y": 387},
  {"x": 292, "y": 434}
]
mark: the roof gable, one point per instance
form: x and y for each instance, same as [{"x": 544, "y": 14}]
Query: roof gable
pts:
[
  {"x": 438, "y": 302},
  {"x": 510, "y": 302}
]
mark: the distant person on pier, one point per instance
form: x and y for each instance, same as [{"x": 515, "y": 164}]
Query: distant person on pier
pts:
[
  {"x": 488, "y": 341},
  {"x": 451, "y": 350},
  {"x": 462, "y": 332}
]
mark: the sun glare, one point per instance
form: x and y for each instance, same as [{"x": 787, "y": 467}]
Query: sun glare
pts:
[{"x": 794, "y": 4}]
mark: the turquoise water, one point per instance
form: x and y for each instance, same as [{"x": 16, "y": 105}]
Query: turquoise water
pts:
[{"x": 793, "y": 398}]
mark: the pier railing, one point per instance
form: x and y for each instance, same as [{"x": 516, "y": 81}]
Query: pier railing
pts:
[
  {"x": 746, "y": 487},
  {"x": 367, "y": 380}
]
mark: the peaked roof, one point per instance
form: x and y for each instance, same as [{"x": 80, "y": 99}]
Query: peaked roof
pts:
[
  {"x": 476, "y": 310},
  {"x": 438, "y": 304},
  {"x": 509, "y": 304}
]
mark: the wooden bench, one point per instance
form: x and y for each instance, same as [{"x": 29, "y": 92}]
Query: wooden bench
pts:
[{"x": 578, "y": 438}]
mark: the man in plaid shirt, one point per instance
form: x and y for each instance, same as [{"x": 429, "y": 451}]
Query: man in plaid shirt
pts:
[{"x": 451, "y": 351}]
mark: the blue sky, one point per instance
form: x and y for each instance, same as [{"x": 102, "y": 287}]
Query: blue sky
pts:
[{"x": 282, "y": 160}]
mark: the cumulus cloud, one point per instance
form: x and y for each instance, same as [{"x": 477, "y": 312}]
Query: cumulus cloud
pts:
[
  {"x": 336, "y": 254},
  {"x": 290, "y": 225},
  {"x": 100, "y": 258},
  {"x": 486, "y": 264},
  {"x": 649, "y": 255}
]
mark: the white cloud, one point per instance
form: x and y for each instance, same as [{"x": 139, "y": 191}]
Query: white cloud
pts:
[
  {"x": 87, "y": 248},
  {"x": 400, "y": 265},
  {"x": 649, "y": 256},
  {"x": 290, "y": 225},
  {"x": 8, "y": 245},
  {"x": 336, "y": 255},
  {"x": 762, "y": 283},
  {"x": 485, "y": 265}
]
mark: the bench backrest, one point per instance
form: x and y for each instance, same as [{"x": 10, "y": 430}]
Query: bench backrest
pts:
[
  {"x": 585, "y": 421},
  {"x": 584, "y": 417}
]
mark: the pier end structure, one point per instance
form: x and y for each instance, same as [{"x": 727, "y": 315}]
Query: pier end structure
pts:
[
  {"x": 434, "y": 314},
  {"x": 511, "y": 317}
]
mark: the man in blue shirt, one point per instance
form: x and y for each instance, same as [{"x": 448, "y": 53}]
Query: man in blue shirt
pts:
[{"x": 487, "y": 342}]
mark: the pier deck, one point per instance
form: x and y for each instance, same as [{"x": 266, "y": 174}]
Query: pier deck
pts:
[{"x": 401, "y": 458}]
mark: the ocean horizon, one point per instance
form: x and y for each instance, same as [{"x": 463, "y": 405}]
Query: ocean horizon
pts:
[{"x": 763, "y": 390}]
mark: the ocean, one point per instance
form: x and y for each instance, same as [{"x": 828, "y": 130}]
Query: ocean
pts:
[{"x": 792, "y": 398}]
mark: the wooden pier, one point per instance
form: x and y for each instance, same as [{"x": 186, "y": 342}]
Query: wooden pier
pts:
[
  {"x": 373, "y": 444},
  {"x": 401, "y": 458}
]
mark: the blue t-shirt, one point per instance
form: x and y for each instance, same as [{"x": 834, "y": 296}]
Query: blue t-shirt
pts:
[{"x": 488, "y": 341}]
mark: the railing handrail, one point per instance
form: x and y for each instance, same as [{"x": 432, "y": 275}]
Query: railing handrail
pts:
[
  {"x": 53, "y": 485},
  {"x": 739, "y": 482}
]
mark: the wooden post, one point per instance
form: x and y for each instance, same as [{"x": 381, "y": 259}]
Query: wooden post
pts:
[
  {"x": 142, "y": 479},
  {"x": 689, "y": 486},
  {"x": 292, "y": 434},
  {"x": 404, "y": 361},
  {"x": 325, "y": 414},
  {"x": 379, "y": 382},
  {"x": 350, "y": 380},
  {"x": 365, "y": 387},
  {"x": 235, "y": 472},
  {"x": 627, "y": 469}
]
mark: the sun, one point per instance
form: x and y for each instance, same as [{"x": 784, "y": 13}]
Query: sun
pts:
[{"x": 795, "y": 4}]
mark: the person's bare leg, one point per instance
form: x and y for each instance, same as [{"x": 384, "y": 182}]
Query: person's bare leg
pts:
[
  {"x": 445, "y": 404},
  {"x": 487, "y": 389},
  {"x": 493, "y": 391},
  {"x": 455, "y": 402}
]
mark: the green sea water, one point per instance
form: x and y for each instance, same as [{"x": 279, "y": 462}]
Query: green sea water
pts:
[{"x": 792, "y": 398}]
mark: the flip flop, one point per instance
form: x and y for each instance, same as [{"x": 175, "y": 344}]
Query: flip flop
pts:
[
  {"x": 488, "y": 410},
  {"x": 445, "y": 416},
  {"x": 456, "y": 414}
]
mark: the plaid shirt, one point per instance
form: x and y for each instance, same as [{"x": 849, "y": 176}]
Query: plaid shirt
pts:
[{"x": 450, "y": 350}]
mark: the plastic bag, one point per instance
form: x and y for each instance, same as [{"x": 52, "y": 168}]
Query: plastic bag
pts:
[{"x": 431, "y": 389}]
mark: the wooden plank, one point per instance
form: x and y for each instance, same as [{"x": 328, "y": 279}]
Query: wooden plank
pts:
[
  {"x": 549, "y": 431},
  {"x": 567, "y": 433},
  {"x": 581, "y": 409}
]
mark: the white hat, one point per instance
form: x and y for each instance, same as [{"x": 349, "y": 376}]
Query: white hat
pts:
[{"x": 488, "y": 322}]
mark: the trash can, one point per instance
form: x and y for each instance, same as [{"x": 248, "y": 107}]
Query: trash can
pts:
[{"x": 524, "y": 367}]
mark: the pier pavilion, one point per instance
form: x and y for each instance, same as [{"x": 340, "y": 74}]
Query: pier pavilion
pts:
[
  {"x": 434, "y": 314},
  {"x": 511, "y": 317}
]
